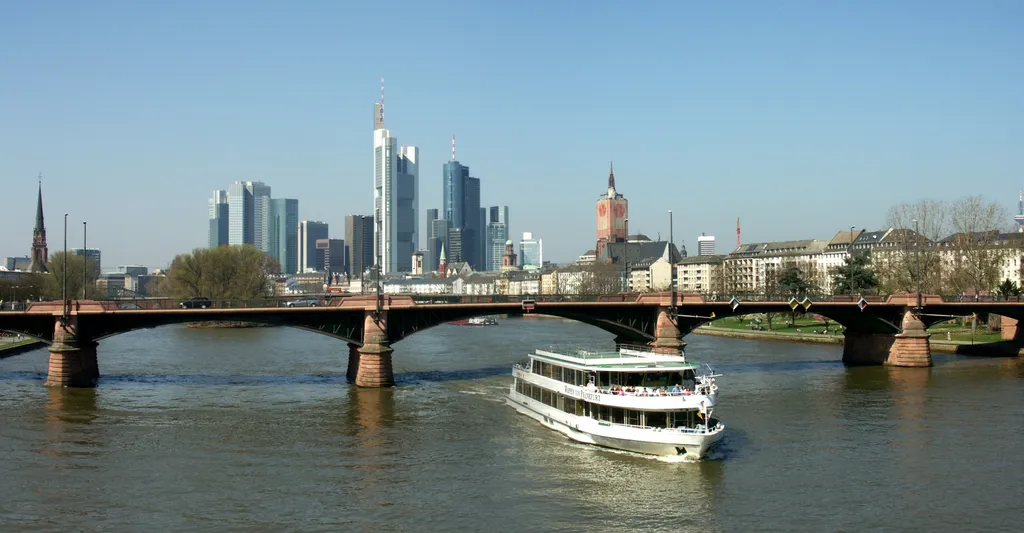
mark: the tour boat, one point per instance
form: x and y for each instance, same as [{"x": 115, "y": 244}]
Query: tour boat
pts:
[{"x": 629, "y": 399}]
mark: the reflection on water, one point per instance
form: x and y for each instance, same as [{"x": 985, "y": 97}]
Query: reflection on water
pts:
[{"x": 256, "y": 430}]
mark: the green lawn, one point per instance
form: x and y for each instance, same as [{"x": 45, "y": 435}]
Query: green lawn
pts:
[
  {"x": 17, "y": 344},
  {"x": 807, "y": 324}
]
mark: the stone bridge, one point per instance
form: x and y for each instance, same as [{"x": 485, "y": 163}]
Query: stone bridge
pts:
[{"x": 877, "y": 331}]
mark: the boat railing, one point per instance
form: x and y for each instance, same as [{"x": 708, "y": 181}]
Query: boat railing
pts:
[
  {"x": 602, "y": 352},
  {"x": 682, "y": 429},
  {"x": 648, "y": 394}
]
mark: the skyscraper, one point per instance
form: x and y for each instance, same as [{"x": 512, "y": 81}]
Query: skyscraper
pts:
[
  {"x": 612, "y": 214},
  {"x": 706, "y": 244},
  {"x": 40, "y": 256},
  {"x": 497, "y": 234},
  {"x": 309, "y": 232},
  {"x": 218, "y": 232},
  {"x": 333, "y": 252},
  {"x": 91, "y": 254},
  {"x": 433, "y": 255},
  {"x": 395, "y": 196},
  {"x": 358, "y": 244},
  {"x": 249, "y": 214},
  {"x": 461, "y": 205},
  {"x": 531, "y": 252},
  {"x": 437, "y": 239},
  {"x": 284, "y": 233}
]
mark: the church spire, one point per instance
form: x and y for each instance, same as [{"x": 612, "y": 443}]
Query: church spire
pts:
[
  {"x": 39, "y": 252},
  {"x": 611, "y": 175}
]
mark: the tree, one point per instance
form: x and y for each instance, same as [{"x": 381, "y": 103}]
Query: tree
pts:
[
  {"x": 77, "y": 265},
  {"x": 792, "y": 281},
  {"x": 1008, "y": 289},
  {"x": 601, "y": 278},
  {"x": 24, "y": 287},
  {"x": 222, "y": 273},
  {"x": 916, "y": 230},
  {"x": 855, "y": 276},
  {"x": 975, "y": 253}
]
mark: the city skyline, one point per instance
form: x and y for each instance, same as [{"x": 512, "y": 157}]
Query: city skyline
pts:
[{"x": 908, "y": 110}]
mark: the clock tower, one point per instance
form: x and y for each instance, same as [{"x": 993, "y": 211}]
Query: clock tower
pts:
[{"x": 612, "y": 210}]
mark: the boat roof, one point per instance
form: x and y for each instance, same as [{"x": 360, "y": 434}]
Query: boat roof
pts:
[{"x": 621, "y": 360}]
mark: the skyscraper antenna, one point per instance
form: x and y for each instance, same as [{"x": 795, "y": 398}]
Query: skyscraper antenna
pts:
[
  {"x": 1020, "y": 201},
  {"x": 382, "y": 99},
  {"x": 40, "y": 179},
  {"x": 453, "y": 147},
  {"x": 737, "y": 232}
]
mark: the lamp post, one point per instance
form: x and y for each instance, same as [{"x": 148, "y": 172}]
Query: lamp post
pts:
[
  {"x": 85, "y": 260},
  {"x": 672, "y": 261},
  {"x": 850, "y": 265},
  {"x": 917, "y": 262},
  {"x": 625, "y": 257},
  {"x": 64, "y": 275}
]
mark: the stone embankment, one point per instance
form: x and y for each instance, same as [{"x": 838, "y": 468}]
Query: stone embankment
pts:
[
  {"x": 10, "y": 346},
  {"x": 226, "y": 324}
]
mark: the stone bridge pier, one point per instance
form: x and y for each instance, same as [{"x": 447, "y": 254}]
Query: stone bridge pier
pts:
[
  {"x": 667, "y": 337},
  {"x": 72, "y": 357},
  {"x": 910, "y": 348},
  {"x": 369, "y": 365}
]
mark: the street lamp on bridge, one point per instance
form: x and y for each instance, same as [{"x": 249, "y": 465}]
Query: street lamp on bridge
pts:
[{"x": 917, "y": 262}]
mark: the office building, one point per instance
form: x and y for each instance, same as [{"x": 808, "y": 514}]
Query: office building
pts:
[
  {"x": 284, "y": 234},
  {"x": 358, "y": 244},
  {"x": 249, "y": 214},
  {"x": 497, "y": 233},
  {"x": 437, "y": 239},
  {"x": 461, "y": 208},
  {"x": 706, "y": 244},
  {"x": 18, "y": 263},
  {"x": 333, "y": 252},
  {"x": 218, "y": 231},
  {"x": 91, "y": 254},
  {"x": 309, "y": 259},
  {"x": 531, "y": 252},
  {"x": 395, "y": 197}
]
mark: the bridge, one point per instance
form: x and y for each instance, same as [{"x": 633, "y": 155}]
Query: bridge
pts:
[{"x": 891, "y": 330}]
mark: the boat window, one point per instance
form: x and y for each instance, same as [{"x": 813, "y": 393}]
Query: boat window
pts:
[
  {"x": 632, "y": 417},
  {"x": 581, "y": 408},
  {"x": 604, "y": 379},
  {"x": 536, "y": 366},
  {"x": 656, "y": 419},
  {"x": 618, "y": 415}
]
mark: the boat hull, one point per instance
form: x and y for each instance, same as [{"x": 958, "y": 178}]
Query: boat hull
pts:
[{"x": 589, "y": 431}]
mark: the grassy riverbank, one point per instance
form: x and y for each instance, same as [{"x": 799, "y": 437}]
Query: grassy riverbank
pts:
[
  {"x": 809, "y": 327},
  {"x": 15, "y": 347}
]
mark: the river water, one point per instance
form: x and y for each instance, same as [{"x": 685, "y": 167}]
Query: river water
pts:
[{"x": 257, "y": 430}]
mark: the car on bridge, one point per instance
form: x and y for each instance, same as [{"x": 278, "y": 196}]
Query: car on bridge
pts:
[
  {"x": 303, "y": 302},
  {"x": 198, "y": 302}
]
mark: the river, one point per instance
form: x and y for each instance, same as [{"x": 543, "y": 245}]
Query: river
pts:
[{"x": 257, "y": 430}]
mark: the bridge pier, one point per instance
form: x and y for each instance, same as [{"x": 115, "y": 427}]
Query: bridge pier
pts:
[
  {"x": 373, "y": 368},
  {"x": 911, "y": 347},
  {"x": 72, "y": 357},
  {"x": 1011, "y": 331},
  {"x": 667, "y": 338},
  {"x": 353, "y": 362}
]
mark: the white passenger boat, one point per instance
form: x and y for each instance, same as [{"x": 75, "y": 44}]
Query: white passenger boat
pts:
[{"x": 628, "y": 399}]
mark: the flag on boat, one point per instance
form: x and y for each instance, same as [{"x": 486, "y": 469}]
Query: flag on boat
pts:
[{"x": 703, "y": 408}]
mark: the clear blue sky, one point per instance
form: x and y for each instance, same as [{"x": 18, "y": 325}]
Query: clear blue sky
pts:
[{"x": 801, "y": 117}]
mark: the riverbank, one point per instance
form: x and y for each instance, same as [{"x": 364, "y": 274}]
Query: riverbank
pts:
[
  {"x": 8, "y": 349},
  {"x": 937, "y": 345},
  {"x": 227, "y": 324}
]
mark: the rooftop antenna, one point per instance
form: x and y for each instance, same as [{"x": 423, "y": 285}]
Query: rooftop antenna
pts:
[
  {"x": 453, "y": 147},
  {"x": 1020, "y": 201},
  {"x": 737, "y": 232},
  {"x": 382, "y": 99}
]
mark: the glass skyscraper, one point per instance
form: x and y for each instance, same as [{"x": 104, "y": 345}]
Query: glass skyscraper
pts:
[
  {"x": 284, "y": 233},
  {"x": 249, "y": 214},
  {"x": 310, "y": 232},
  {"x": 497, "y": 234},
  {"x": 531, "y": 252},
  {"x": 461, "y": 207},
  {"x": 358, "y": 244},
  {"x": 218, "y": 232},
  {"x": 395, "y": 198}
]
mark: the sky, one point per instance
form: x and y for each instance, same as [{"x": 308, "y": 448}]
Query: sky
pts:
[{"x": 802, "y": 118}]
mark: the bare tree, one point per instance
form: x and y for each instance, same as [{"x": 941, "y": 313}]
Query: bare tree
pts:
[
  {"x": 225, "y": 272},
  {"x": 914, "y": 253},
  {"x": 976, "y": 249},
  {"x": 601, "y": 278}
]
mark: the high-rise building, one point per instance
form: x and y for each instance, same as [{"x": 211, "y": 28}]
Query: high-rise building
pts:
[
  {"x": 437, "y": 239},
  {"x": 531, "y": 252},
  {"x": 395, "y": 197},
  {"x": 18, "y": 263},
  {"x": 460, "y": 199},
  {"x": 91, "y": 254},
  {"x": 40, "y": 256},
  {"x": 333, "y": 252},
  {"x": 433, "y": 249},
  {"x": 612, "y": 215},
  {"x": 358, "y": 244},
  {"x": 218, "y": 232},
  {"x": 284, "y": 233},
  {"x": 706, "y": 244},
  {"x": 309, "y": 259},
  {"x": 497, "y": 233},
  {"x": 249, "y": 214}
]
